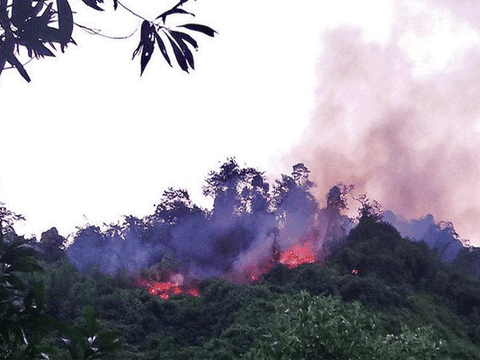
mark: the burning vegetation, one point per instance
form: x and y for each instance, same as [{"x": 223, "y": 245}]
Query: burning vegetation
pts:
[
  {"x": 251, "y": 227},
  {"x": 298, "y": 255},
  {"x": 173, "y": 286},
  {"x": 270, "y": 238}
]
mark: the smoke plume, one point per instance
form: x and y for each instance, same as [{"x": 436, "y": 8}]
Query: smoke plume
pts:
[{"x": 409, "y": 140}]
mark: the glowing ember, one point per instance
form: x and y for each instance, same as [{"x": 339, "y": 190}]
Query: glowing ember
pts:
[
  {"x": 253, "y": 273},
  {"x": 297, "y": 256},
  {"x": 165, "y": 289},
  {"x": 193, "y": 292}
]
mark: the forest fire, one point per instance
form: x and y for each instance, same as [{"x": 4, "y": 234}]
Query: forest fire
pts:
[
  {"x": 292, "y": 258},
  {"x": 245, "y": 235},
  {"x": 165, "y": 289},
  {"x": 297, "y": 256}
]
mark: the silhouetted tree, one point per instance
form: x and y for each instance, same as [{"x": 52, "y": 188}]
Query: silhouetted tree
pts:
[
  {"x": 292, "y": 193},
  {"x": 7, "y": 219},
  {"x": 332, "y": 222},
  {"x": 175, "y": 204},
  {"x": 87, "y": 247},
  {"x": 370, "y": 211},
  {"x": 236, "y": 191},
  {"x": 30, "y": 29},
  {"x": 51, "y": 244},
  {"x": 23, "y": 321}
]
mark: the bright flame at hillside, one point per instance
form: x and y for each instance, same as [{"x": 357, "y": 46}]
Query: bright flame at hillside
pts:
[
  {"x": 168, "y": 288},
  {"x": 250, "y": 229},
  {"x": 297, "y": 256}
]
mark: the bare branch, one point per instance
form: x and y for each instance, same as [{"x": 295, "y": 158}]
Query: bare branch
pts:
[
  {"x": 132, "y": 12},
  {"x": 13, "y": 67},
  {"x": 164, "y": 14},
  {"x": 99, "y": 32}
]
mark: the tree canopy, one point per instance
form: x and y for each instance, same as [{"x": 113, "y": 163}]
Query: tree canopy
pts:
[{"x": 31, "y": 29}]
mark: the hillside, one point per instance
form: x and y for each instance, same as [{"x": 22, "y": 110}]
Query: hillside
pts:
[
  {"x": 376, "y": 295},
  {"x": 264, "y": 275}
]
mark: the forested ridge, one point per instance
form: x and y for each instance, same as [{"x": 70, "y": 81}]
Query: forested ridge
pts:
[{"x": 369, "y": 293}]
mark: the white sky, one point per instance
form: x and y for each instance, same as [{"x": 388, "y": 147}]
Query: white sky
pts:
[{"x": 89, "y": 137}]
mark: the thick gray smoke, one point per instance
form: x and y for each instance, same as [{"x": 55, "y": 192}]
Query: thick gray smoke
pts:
[
  {"x": 408, "y": 140},
  {"x": 439, "y": 236}
]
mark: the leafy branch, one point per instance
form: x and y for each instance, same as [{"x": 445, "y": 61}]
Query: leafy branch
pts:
[{"x": 37, "y": 25}]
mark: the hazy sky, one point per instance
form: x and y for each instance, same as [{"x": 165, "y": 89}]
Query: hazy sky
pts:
[{"x": 89, "y": 140}]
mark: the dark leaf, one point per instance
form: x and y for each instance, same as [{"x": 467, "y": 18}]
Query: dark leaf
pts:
[
  {"x": 3, "y": 60},
  {"x": 18, "y": 250},
  {"x": 39, "y": 295},
  {"x": 38, "y": 49},
  {"x": 46, "y": 15},
  {"x": 15, "y": 282},
  {"x": 65, "y": 23},
  {"x": 145, "y": 30},
  {"x": 147, "y": 42},
  {"x": 70, "y": 331},
  {"x": 33, "y": 32},
  {"x": 93, "y": 4},
  {"x": 200, "y": 28},
  {"x": 162, "y": 48},
  {"x": 185, "y": 37},
  {"x": 28, "y": 300},
  {"x": 91, "y": 325},
  {"x": 135, "y": 52},
  {"x": 172, "y": 11},
  {"x": 22, "y": 11},
  {"x": 146, "y": 55},
  {"x": 185, "y": 50},
  {"x": 15, "y": 62},
  {"x": 25, "y": 265},
  {"x": 108, "y": 341},
  {"x": 182, "y": 61}
]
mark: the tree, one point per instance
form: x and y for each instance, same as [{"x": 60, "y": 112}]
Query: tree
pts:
[
  {"x": 23, "y": 321},
  {"x": 369, "y": 212},
  {"x": 331, "y": 220},
  {"x": 51, "y": 244},
  {"x": 31, "y": 28},
  {"x": 7, "y": 219},
  {"x": 22, "y": 315},
  {"x": 236, "y": 191},
  {"x": 293, "y": 194},
  {"x": 304, "y": 326},
  {"x": 175, "y": 205}
]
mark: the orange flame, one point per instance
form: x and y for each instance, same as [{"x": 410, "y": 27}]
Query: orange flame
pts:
[
  {"x": 165, "y": 289},
  {"x": 297, "y": 256}
]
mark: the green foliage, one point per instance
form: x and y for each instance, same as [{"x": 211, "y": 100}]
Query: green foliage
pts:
[
  {"x": 375, "y": 248},
  {"x": 377, "y": 296},
  {"x": 228, "y": 321},
  {"x": 22, "y": 318},
  {"x": 90, "y": 342},
  {"x": 25, "y": 325},
  {"x": 468, "y": 261},
  {"x": 305, "y": 326},
  {"x": 52, "y": 245}
]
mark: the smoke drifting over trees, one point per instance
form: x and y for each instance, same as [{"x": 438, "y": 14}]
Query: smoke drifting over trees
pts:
[
  {"x": 250, "y": 224},
  {"x": 248, "y": 230},
  {"x": 407, "y": 137}
]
